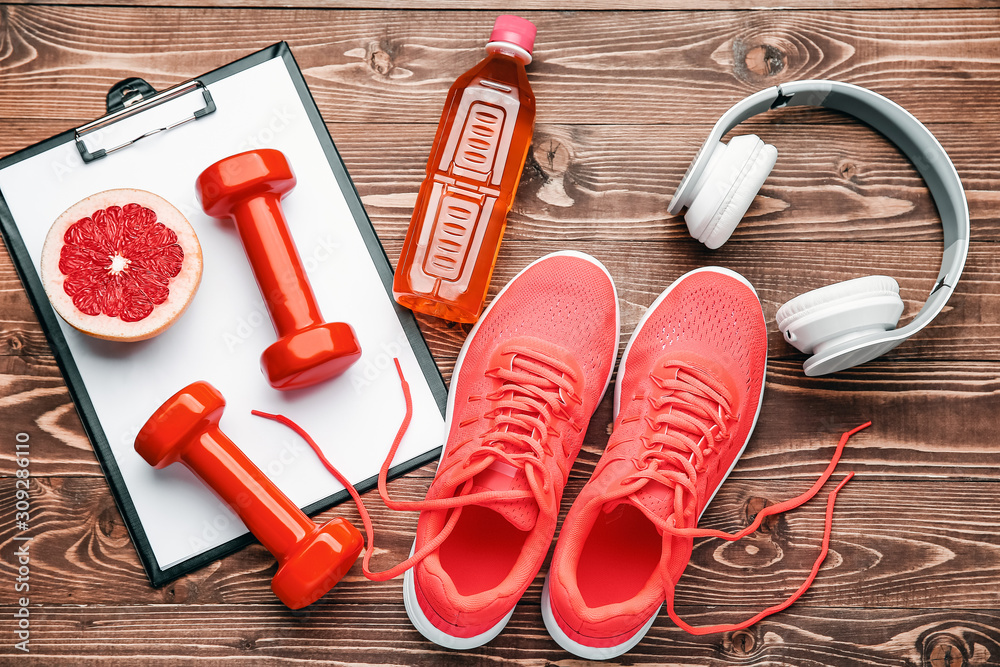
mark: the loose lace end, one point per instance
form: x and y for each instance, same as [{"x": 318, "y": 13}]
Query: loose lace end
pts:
[
  {"x": 383, "y": 473},
  {"x": 777, "y": 508},
  {"x": 451, "y": 503},
  {"x": 768, "y": 511}
]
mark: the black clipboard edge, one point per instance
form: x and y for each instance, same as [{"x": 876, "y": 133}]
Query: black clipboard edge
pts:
[
  {"x": 78, "y": 392},
  {"x": 71, "y": 374}
]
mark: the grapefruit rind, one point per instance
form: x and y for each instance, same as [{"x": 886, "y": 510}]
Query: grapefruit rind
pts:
[{"x": 182, "y": 287}]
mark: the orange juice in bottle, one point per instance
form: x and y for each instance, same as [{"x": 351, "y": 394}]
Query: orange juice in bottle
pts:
[{"x": 475, "y": 165}]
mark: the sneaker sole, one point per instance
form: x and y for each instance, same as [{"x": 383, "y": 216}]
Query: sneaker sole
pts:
[
  {"x": 606, "y": 653},
  {"x": 432, "y": 632},
  {"x": 587, "y": 652},
  {"x": 413, "y": 610}
]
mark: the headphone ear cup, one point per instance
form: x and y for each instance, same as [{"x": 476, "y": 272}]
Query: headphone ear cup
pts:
[
  {"x": 836, "y": 313},
  {"x": 722, "y": 196}
]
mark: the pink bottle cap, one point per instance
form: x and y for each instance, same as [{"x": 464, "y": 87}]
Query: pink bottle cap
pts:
[{"x": 514, "y": 30}]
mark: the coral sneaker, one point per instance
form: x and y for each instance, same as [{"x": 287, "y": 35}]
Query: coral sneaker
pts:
[
  {"x": 686, "y": 401},
  {"x": 525, "y": 385}
]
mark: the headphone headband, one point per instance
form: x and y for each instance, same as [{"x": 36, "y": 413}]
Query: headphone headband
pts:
[{"x": 915, "y": 141}]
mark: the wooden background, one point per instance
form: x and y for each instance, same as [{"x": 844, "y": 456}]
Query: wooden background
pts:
[{"x": 625, "y": 97}]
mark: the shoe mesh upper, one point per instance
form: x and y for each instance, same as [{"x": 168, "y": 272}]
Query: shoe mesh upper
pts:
[
  {"x": 705, "y": 316},
  {"x": 565, "y": 308},
  {"x": 558, "y": 300},
  {"x": 713, "y": 321}
]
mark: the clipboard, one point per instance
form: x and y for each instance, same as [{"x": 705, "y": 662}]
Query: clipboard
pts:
[{"x": 165, "y": 140}]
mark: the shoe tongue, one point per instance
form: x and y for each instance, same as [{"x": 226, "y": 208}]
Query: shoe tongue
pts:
[
  {"x": 655, "y": 497},
  {"x": 521, "y": 513}
]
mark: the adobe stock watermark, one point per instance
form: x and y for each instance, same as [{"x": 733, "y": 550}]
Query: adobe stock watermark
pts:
[
  {"x": 208, "y": 532},
  {"x": 325, "y": 249},
  {"x": 278, "y": 121},
  {"x": 21, "y": 555},
  {"x": 374, "y": 363}
]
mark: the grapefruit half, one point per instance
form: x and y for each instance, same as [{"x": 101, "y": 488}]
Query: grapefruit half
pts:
[{"x": 121, "y": 265}]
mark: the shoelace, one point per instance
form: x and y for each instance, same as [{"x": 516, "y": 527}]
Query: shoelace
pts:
[
  {"x": 464, "y": 498},
  {"x": 674, "y": 459},
  {"x": 531, "y": 394},
  {"x": 532, "y": 397}
]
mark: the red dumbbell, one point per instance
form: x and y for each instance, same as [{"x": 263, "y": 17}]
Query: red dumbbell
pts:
[
  {"x": 248, "y": 188},
  {"x": 311, "y": 558}
]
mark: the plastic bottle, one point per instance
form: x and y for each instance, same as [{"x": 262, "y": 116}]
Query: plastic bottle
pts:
[{"x": 475, "y": 165}]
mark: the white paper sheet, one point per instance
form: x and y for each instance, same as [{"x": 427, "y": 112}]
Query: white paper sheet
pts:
[{"x": 220, "y": 338}]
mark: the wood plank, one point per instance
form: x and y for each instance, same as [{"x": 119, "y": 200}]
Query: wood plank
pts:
[
  {"x": 777, "y": 272},
  {"x": 358, "y": 632},
  {"x": 499, "y": 6},
  {"x": 919, "y": 409},
  {"x": 594, "y": 182},
  {"x": 922, "y": 394},
  {"x": 394, "y": 66},
  {"x": 20, "y": 332},
  {"x": 615, "y": 182},
  {"x": 895, "y": 544},
  {"x": 968, "y": 329}
]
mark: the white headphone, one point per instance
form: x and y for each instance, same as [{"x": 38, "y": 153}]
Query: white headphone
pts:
[{"x": 848, "y": 323}]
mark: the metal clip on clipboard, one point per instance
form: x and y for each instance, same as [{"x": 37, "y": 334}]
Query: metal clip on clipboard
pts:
[{"x": 133, "y": 96}]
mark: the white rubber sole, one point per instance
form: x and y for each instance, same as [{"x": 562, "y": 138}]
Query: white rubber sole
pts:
[
  {"x": 578, "y": 649},
  {"x": 606, "y": 653},
  {"x": 431, "y": 632},
  {"x": 413, "y": 610}
]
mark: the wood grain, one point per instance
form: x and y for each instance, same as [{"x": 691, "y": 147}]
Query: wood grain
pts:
[
  {"x": 920, "y": 411},
  {"x": 625, "y": 99},
  {"x": 357, "y": 632},
  {"x": 887, "y": 549},
  {"x": 539, "y": 5},
  {"x": 896, "y": 590},
  {"x": 615, "y": 182},
  {"x": 967, "y": 330},
  {"x": 395, "y": 66},
  {"x": 922, "y": 393}
]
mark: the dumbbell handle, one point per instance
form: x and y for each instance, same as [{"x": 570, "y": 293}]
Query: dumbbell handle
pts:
[
  {"x": 273, "y": 519},
  {"x": 276, "y": 264}
]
